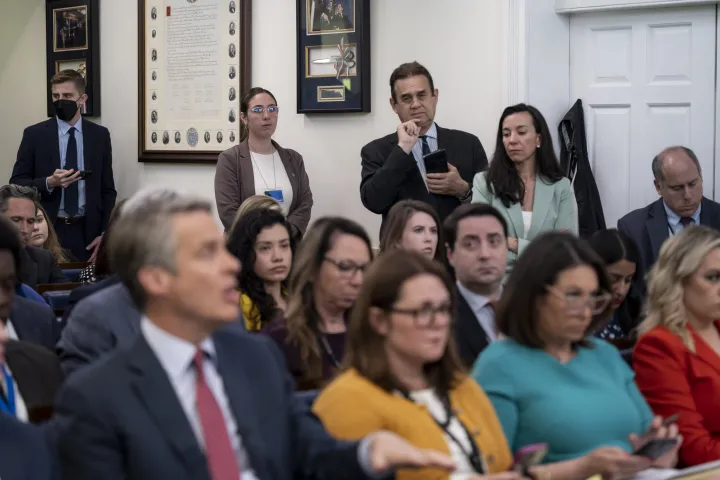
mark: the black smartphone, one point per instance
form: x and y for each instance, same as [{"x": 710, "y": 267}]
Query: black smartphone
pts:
[
  {"x": 656, "y": 448},
  {"x": 436, "y": 162},
  {"x": 85, "y": 174}
]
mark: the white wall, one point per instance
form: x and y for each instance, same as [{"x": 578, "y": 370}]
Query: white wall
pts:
[{"x": 460, "y": 43}]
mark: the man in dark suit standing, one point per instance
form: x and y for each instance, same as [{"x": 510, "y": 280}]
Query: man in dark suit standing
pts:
[
  {"x": 477, "y": 250},
  {"x": 37, "y": 265},
  {"x": 190, "y": 399},
  {"x": 393, "y": 168},
  {"x": 52, "y": 156},
  {"x": 679, "y": 182}
]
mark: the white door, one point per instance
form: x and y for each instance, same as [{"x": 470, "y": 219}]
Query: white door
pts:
[{"x": 647, "y": 81}]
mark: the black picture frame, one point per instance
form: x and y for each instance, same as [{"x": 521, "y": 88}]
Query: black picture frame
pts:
[
  {"x": 72, "y": 35},
  {"x": 333, "y": 56},
  {"x": 172, "y": 141}
]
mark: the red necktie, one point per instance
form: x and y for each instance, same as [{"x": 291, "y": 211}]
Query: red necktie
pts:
[{"x": 218, "y": 449}]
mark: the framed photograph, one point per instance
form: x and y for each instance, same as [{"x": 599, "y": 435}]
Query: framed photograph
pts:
[
  {"x": 333, "y": 57},
  {"x": 73, "y": 42},
  {"x": 193, "y": 66}
]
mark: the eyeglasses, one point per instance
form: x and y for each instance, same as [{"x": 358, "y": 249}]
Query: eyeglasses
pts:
[
  {"x": 577, "y": 303},
  {"x": 347, "y": 267},
  {"x": 272, "y": 109},
  {"x": 426, "y": 315}
]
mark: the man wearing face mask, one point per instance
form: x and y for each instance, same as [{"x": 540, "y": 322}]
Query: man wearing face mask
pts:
[{"x": 68, "y": 159}]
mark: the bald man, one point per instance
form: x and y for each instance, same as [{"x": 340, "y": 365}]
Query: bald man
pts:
[{"x": 679, "y": 182}]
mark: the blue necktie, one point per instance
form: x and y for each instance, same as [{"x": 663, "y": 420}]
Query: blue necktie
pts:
[
  {"x": 71, "y": 161},
  {"x": 425, "y": 145},
  {"x": 7, "y": 400}
]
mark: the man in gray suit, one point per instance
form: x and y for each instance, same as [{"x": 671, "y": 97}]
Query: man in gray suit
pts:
[{"x": 103, "y": 321}]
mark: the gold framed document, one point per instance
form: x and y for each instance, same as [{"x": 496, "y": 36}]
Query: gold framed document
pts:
[{"x": 194, "y": 64}]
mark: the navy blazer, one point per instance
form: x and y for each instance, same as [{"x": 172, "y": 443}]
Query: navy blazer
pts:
[
  {"x": 34, "y": 322},
  {"x": 24, "y": 452},
  {"x": 39, "y": 156},
  {"x": 648, "y": 227},
  {"x": 38, "y": 266},
  {"x": 390, "y": 175},
  {"x": 120, "y": 418}
]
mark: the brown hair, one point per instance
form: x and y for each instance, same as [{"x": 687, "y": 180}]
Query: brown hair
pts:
[
  {"x": 73, "y": 76},
  {"x": 102, "y": 262},
  {"x": 535, "y": 270},
  {"x": 365, "y": 350},
  {"x": 254, "y": 202},
  {"x": 407, "y": 70},
  {"x": 52, "y": 243},
  {"x": 302, "y": 315},
  {"x": 392, "y": 230}
]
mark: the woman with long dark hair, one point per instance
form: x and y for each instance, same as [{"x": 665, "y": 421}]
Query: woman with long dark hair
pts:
[
  {"x": 621, "y": 256},
  {"x": 327, "y": 273},
  {"x": 263, "y": 243},
  {"x": 413, "y": 225},
  {"x": 260, "y": 166},
  {"x": 525, "y": 182}
]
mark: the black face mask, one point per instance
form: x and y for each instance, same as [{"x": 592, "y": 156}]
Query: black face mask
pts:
[{"x": 65, "y": 109}]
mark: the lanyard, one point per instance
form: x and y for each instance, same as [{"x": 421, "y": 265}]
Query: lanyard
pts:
[
  {"x": 328, "y": 350},
  {"x": 8, "y": 405},
  {"x": 473, "y": 455}
]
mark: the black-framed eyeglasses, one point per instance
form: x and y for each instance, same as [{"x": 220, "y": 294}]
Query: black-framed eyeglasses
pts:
[
  {"x": 347, "y": 267},
  {"x": 425, "y": 316},
  {"x": 272, "y": 109},
  {"x": 577, "y": 303}
]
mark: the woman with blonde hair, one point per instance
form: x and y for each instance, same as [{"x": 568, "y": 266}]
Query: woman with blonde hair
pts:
[
  {"x": 44, "y": 236},
  {"x": 326, "y": 276},
  {"x": 254, "y": 202},
  {"x": 677, "y": 357}
]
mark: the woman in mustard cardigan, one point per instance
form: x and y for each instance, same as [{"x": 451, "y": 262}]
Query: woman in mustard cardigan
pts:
[{"x": 401, "y": 374}]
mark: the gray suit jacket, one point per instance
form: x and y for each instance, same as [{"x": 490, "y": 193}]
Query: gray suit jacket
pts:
[{"x": 100, "y": 323}]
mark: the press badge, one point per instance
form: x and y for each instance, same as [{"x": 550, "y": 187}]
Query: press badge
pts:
[{"x": 276, "y": 194}]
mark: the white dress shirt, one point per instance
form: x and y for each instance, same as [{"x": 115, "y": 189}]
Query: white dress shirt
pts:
[
  {"x": 483, "y": 311},
  {"x": 12, "y": 334},
  {"x": 176, "y": 357}
]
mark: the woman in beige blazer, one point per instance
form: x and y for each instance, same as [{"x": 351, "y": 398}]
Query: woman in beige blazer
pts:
[
  {"x": 525, "y": 182},
  {"x": 258, "y": 165}
]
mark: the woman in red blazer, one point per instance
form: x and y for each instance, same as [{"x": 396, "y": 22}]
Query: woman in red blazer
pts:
[{"x": 677, "y": 358}]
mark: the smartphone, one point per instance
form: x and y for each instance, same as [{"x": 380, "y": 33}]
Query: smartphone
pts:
[
  {"x": 656, "y": 448},
  {"x": 530, "y": 455},
  {"x": 85, "y": 174},
  {"x": 436, "y": 162}
]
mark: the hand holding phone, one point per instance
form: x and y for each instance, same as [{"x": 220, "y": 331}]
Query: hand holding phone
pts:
[
  {"x": 436, "y": 162},
  {"x": 85, "y": 174},
  {"x": 656, "y": 448}
]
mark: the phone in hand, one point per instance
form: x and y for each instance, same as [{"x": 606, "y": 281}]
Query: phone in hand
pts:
[
  {"x": 529, "y": 456},
  {"x": 436, "y": 162},
  {"x": 656, "y": 448},
  {"x": 85, "y": 174}
]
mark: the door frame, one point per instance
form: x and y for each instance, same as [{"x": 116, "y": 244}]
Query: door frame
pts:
[{"x": 531, "y": 43}]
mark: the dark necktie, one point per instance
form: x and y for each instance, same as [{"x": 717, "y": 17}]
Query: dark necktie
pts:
[
  {"x": 71, "y": 161},
  {"x": 220, "y": 456},
  {"x": 685, "y": 221},
  {"x": 425, "y": 145}
]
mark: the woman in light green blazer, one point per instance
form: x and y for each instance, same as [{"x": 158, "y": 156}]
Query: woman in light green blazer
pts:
[{"x": 525, "y": 182}]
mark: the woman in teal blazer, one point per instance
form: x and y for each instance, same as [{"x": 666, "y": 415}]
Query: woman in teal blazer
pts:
[{"x": 525, "y": 182}]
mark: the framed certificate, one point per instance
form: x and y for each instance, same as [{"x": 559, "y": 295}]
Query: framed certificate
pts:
[
  {"x": 73, "y": 43},
  {"x": 194, "y": 64},
  {"x": 333, "y": 56}
]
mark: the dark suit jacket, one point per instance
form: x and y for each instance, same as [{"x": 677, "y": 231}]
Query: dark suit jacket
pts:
[
  {"x": 36, "y": 371},
  {"x": 390, "y": 175},
  {"x": 648, "y": 227},
  {"x": 34, "y": 322},
  {"x": 25, "y": 454},
  {"x": 120, "y": 418},
  {"x": 575, "y": 161},
  {"x": 39, "y": 156},
  {"x": 470, "y": 337},
  {"x": 38, "y": 266},
  {"x": 86, "y": 290}
]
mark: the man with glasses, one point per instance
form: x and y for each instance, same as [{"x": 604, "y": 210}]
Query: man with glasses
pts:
[{"x": 393, "y": 167}]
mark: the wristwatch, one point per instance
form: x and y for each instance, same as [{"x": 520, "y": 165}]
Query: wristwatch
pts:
[{"x": 467, "y": 196}]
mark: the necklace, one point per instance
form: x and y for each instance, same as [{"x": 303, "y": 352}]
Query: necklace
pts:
[{"x": 254, "y": 160}]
